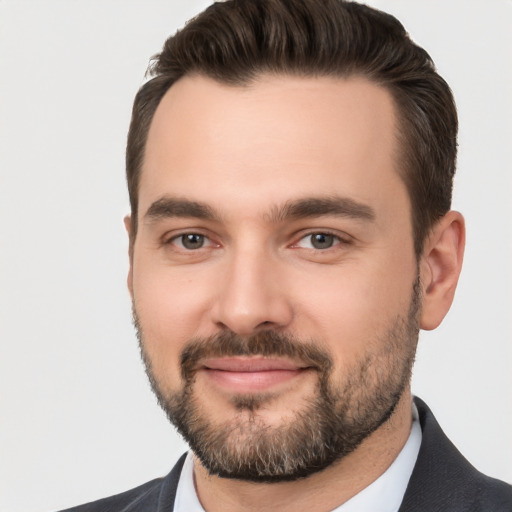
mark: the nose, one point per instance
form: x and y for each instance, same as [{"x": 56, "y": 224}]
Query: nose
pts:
[{"x": 252, "y": 295}]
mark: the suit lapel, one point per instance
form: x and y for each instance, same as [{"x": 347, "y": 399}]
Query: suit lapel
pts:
[
  {"x": 441, "y": 479},
  {"x": 170, "y": 486}
]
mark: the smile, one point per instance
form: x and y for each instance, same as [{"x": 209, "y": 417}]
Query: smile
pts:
[{"x": 249, "y": 375}]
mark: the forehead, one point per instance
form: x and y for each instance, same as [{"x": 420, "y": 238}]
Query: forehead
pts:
[{"x": 277, "y": 139}]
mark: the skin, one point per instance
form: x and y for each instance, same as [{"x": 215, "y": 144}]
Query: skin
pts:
[{"x": 245, "y": 152}]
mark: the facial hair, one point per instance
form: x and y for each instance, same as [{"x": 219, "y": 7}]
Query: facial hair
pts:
[{"x": 334, "y": 420}]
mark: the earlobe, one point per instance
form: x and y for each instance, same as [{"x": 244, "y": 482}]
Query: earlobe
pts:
[
  {"x": 128, "y": 227},
  {"x": 440, "y": 268}
]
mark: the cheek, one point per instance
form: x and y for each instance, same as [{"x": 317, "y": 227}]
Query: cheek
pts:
[
  {"x": 169, "y": 297},
  {"x": 351, "y": 310},
  {"x": 170, "y": 306}
]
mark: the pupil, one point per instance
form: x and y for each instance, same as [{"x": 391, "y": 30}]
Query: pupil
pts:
[
  {"x": 192, "y": 241},
  {"x": 322, "y": 240}
]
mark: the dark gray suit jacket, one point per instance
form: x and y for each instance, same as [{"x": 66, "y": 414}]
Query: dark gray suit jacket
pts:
[{"x": 442, "y": 481}]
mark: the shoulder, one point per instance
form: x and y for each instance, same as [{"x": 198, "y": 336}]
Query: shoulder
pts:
[
  {"x": 443, "y": 479},
  {"x": 494, "y": 493},
  {"x": 154, "y": 495},
  {"x": 139, "y": 498}
]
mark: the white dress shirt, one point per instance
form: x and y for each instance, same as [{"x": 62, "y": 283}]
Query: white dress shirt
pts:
[{"x": 383, "y": 495}]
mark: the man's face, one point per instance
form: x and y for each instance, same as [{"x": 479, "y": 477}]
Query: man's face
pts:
[{"x": 273, "y": 272}]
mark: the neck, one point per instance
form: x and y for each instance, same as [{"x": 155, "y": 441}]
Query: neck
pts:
[{"x": 320, "y": 491}]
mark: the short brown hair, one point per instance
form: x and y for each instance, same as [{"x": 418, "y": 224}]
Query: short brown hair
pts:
[{"x": 236, "y": 40}]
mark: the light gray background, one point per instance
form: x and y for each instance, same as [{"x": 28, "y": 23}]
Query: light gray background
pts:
[{"x": 78, "y": 420}]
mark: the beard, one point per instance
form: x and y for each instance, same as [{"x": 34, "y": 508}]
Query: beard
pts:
[{"x": 340, "y": 413}]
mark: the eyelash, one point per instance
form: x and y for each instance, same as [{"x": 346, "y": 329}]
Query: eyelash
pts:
[
  {"x": 182, "y": 236},
  {"x": 337, "y": 240}
]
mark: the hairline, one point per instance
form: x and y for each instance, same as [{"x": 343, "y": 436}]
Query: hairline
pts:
[{"x": 400, "y": 136}]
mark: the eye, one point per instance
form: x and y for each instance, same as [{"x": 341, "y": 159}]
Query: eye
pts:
[
  {"x": 318, "y": 241},
  {"x": 190, "y": 241}
]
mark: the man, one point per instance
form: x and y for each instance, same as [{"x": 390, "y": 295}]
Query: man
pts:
[{"x": 290, "y": 168}]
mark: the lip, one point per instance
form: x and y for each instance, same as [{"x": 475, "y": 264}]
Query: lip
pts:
[
  {"x": 250, "y": 364},
  {"x": 250, "y": 374}
]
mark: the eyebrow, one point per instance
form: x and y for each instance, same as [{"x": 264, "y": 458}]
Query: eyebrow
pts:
[
  {"x": 169, "y": 207},
  {"x": 323, "y": 206}
]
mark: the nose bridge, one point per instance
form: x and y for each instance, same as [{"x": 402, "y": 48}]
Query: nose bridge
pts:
[{"x": 251, "y": 295}]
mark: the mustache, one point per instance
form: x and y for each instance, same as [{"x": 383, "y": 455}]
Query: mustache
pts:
[{"x": 265, "y": 343}]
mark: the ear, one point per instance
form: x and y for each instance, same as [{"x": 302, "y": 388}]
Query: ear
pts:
[
  {"x": 128, "y": 227},
  {"x": 440, "y": 268}
]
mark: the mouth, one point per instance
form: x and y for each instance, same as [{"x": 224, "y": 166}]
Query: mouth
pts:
[{"x": 251, "y": 374}]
